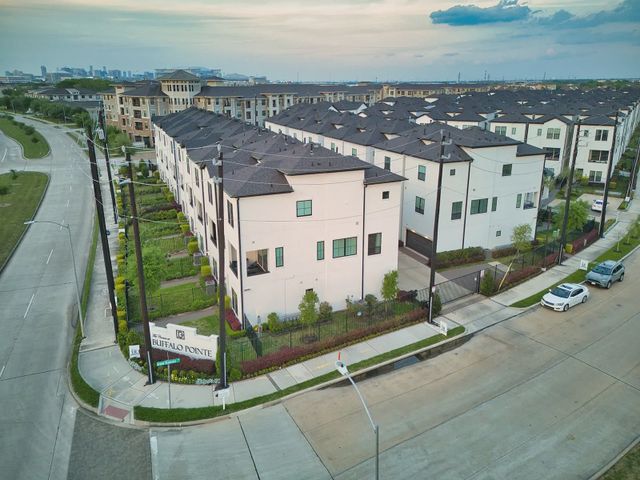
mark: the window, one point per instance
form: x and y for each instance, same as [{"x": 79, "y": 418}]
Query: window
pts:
[
  {"x": 210, "y": 193},
  {"x": 501, "y": 130},
  {"x": 585, "y": 133},
  {"x": 553, "y": 133},
  {"x": 519, "y": 200},
  {"x": 498, "y": 233},
  {"x": 213, "y": 233},
  {"x": 422, "y": 172},
  {"x": 595, "y": 176},
  {"x": 494, "y": 204},
  {"x": 456, "y": 210},
  {"x": 513, "y": 130},
  {"x": 552, "y": 153},
  {"x": 303, "y": 208},
  {"x": 479, "y": 206},
  {"x": 257, "y": 262},
  {"x": 375, "y": 243},
  {"x": 539, "y": 132},
  {"x": 420, "y": 205},
  {"x": 452, "y": 172},
  {"x": 602, "y": 135},
  {"x": 387, "y": 163},
  {"x": 345, "y": 247},
  {"x": 506, "y": 169},
  {"x": 529, "y": 200},
  {"x": 333, "y": 147},
  {"x": 385, "y": 195},
  {"x": 234, "y": 301},
  {"x": 320, "y": 250},
  {"x": 354, "y": 152},
  {"x": 279, "y": 256},
  {"x": 598, "y": 156},
  {"x": 230, "y": 213}
]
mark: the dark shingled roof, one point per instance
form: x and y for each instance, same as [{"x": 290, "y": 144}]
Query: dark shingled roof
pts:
[
  {"x": 179, "y": 75},
  {"x": 256, "y": 161},
  {"x": 525, "y": 150},
  {"x": 148, "y": 90}
]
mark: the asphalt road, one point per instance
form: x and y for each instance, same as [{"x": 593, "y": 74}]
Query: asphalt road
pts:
[
  {"x": 38, "y": 302},
  {"x": 543, "y": 395}
]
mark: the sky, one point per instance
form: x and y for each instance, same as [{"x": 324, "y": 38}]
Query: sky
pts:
[{"x": 330, "y": 40}]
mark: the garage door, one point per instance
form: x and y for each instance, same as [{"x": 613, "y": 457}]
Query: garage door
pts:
[{"x": 420, "y": 244}]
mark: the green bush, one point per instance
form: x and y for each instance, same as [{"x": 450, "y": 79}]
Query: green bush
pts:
[
  {"x": 234, "y": 375},
  {"x": 192, "y": 247},
  {"x": 205, "y": 271},
  {"x": 325, "y": 312},
  {"x": 459, "y": 257},
  {"x": 184, "y": 228},
  {"x": 34, "y": 140},
  {"x": 4, "y": 189},
  {"x": 143, "y": 168},
  {"x": 182, "y": 218},
  {"x": 437, "y": 305},
  {"x": 488, "y": 284},
  {"x": 273, "y": 321}
]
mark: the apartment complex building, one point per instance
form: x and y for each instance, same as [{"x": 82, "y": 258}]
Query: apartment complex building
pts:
[
  {"x": 66, "y": 94},
  {"x": 490, "y": 182},
  {"x": 297, "y": 216}
]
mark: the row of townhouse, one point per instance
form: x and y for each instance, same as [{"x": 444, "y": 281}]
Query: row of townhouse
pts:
[
  {"x": 297, "y": 216},
  {"x": 490, "y": 183},
  {"x": 55, "y": 94}
]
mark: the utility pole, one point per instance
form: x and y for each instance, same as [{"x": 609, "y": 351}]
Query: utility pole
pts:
[
  {"x": 106, "y": 159},
  {"x": 221, "y": 267},
  {"x": 434, "y": 244},
  {"x": 634, "y": 172},
  {"x": 97, "y": 192},
  {"x": 142, "y": 293},
  {"x": 563, "y": 236},
  {"x": 606, "y": 181}
]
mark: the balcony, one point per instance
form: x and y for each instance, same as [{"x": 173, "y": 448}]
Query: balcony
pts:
[
  {"x": 257, "y": 262},
  {"x": 528, "y": 205}
]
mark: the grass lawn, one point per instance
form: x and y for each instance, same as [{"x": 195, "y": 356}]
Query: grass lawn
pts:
[
  {"x": 31, "y": 149},
  {"x": 180, "y": 267},
  {"x": 17, "y": 206},
  {"x": 172, "y": 300},
  {"x": 627, "y": 468},
  {"x": 209, "y": 325}
]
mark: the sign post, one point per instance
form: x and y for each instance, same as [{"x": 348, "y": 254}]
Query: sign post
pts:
[{"x": 168, "y": 363}]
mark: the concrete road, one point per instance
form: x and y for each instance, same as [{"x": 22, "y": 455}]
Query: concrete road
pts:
[
  {"x": 38, "y": 302},
  {"x": 543, "y": 395}
]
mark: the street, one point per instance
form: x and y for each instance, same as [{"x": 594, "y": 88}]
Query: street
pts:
[{"x": 543, "y": 395}]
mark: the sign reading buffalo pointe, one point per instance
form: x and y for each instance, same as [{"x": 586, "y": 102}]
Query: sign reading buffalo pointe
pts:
[{"x": 183, "y": 340}]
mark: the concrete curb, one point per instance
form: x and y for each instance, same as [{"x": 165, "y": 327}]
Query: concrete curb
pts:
[
  {"x": 15, "y": 247},
  {"x": 615, "y": 460},
  {"x": 429, "y": 352}
]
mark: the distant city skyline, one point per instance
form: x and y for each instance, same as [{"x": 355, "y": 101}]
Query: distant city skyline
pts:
[{"x": 338, "y": 40}]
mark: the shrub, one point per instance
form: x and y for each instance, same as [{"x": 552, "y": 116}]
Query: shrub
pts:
[
  {"x": 4, "y": 189},
  {"x": 325, "y": 312},
  {"x": 520, "y": 275},
  {"x": 192, "y": 246},
  {"x": 234, "y": 375},
  {"x": 204, "y": 260},
  {"x": 308, "y": 309},
  {"x": 184, "y": 228},
  {"x": 122, "y": 324},
  {"x": 437, "y": 305},
  {"x": 488, "y": 284},
  {"x": 584, "y": 181},
  {"x": 371, "y": 301},
  {"x": 503, "y": 252},
  {"x": 568, "y": 248},
  {"x": 205, "y": 271},
  {"x": 459, "y": 257},
  {"x": 232, "y": 320},
  {"x": 34, "y": 139},
  {"x": 143, "y": 168},
  {"x": 273, "y": 322},
  {"x": 182, "y": 218},
  {"x": 404, "y": 296}
]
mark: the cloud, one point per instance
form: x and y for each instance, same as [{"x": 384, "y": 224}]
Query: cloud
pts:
[
  {"x": 460, "y": 15},
  {"x": 511, "y": 11}
]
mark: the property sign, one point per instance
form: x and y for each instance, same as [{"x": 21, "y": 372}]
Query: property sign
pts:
[
  {"x": 443, "y": 327},
  {"x": 584, "y": 265},
  {"x": 164, "y": 363},
  {"x": 183, "y": 340},
  {"x": 134, "y": 351}
]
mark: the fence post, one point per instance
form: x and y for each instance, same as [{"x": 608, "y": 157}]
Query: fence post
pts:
[
  {"x": 345, "y": 322},
  {"x": 289, "y": 338}
]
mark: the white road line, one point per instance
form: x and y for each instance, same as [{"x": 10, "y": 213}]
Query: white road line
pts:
[
  {"x": 2, "y": 371},
  {"x": 5, "y": 154},
  {"x": 49, "y": 257},
  {"x": 68, "y": 203},
  {"x": 69, "y": 187},
  {"x": 62, "y": 223},
  {"x": 29, "y": 306}
]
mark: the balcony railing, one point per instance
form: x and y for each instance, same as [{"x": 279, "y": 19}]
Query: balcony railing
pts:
[
  {"x": 254, "y": 268},
  {"x": 528, "y": 205}
]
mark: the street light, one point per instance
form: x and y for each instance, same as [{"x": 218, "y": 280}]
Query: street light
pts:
[
  {"x": 342, "y": 368},
  {"x": 73, "y": 258}
]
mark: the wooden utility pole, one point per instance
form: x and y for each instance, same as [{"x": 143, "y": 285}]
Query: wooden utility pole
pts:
[
  {"x": 222, "y": 368},
  {"x": 434, "y": 243},
  {"x": 97, "y": 193},
  {"x": 106, "y": 159},
  {"x": 142, "y": 293},
  {"x": 567, "y": 203}
]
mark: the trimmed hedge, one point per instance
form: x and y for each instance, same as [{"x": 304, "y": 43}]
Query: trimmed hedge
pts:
[{"x": 453, "y": 258}]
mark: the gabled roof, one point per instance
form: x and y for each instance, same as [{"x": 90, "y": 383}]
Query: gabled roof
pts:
[{"x": 179, "y": 75}]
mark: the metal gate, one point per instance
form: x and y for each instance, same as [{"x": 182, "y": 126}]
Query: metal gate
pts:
[
  {"x": 420, "y": 244},
  {"x": 459, "y": 287}
]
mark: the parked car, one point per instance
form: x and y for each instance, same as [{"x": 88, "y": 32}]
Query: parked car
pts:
[
  {"x": 596, "y": 206},
  {"x": 564, "y": 296},
  {"x": 606, "y": 273}
]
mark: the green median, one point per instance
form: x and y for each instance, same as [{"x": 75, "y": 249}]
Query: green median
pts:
[
  {"x": 177, "y": 415},
  {"x": 33, "y": 144}
]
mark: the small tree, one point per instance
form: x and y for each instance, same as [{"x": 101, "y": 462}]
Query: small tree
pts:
[
  {"x": 308, "y": 309},
  {"x": 488, "y": 284},
  {"x": 325, "y": 312},
  {"x": 371, "y": 301},
  {"x": 521, "y": 238},
  {"x": 390, "y": 286},
  {"x": 578, "y": 215},
  {"x": 273, "y": 321}
]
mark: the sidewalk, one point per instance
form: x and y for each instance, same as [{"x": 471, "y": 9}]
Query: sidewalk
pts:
[{"x": 121, "y": 387}]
